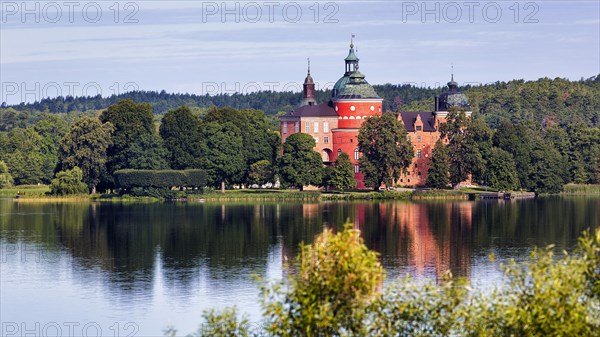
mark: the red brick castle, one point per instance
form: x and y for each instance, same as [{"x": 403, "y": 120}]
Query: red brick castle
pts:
[{"x": 335, "y": 123}]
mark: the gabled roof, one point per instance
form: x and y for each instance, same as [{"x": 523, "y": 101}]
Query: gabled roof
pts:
[
  {"x": 319, "y": 110},
  {"x": 409, "y": 118}
]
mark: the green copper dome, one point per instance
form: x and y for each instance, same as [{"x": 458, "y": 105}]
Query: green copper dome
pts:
[
  {"x": 357, "y": 88},
  {"x": 453, "y": 98}
]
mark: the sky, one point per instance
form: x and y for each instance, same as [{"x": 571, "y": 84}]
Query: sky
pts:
[{"x": 80, "y": 48}]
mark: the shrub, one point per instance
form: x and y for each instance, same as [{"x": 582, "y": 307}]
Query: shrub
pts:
[
  {"x": 334, "y": 290},
  {"x": 127, "y": 179},
  {"x": 6, "y": 179},
  {"x": 68, "y": 182}
]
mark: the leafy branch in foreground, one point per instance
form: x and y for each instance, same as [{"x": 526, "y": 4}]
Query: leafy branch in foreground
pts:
[{"x": 334, "y": 288}]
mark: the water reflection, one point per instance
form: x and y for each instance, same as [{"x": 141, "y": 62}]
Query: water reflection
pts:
[{"x": 192, "y": 256}]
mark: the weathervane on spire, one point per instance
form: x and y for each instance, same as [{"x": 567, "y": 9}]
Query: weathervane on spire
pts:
[
  {"x": 452, "y": 76},
  {"x": 308, "y": 59},
  {"x": 352, "y": 41}
]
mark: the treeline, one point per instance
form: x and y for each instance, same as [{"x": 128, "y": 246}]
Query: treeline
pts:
[
  {"x": 523, "y": 155},
  {"x": 221, "y": 147},
  {"x": 558, "y": 99},
  {"x": 271, "y": 102}
]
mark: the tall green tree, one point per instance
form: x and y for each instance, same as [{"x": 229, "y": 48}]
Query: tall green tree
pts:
[
  {"x": 222, "y": 154},
  {"x": 501, "y": 171},
  {"x": 136, "y": 144},
  {"x": 85, "y": 146},
  {"x": 52, "y": 128},
  {"x": 386, "y": 150},
  {"x": 463, "y": 151},
  {"x": 342, "y": 174},
  {"x": 24, "y": 152},
  {"x": 539, "y": 165},
  {"x": 437, "y": 175},
  {"x": 180, "y": 132},
  {"x": 261, "y": 142},
  {"x": 300, "y": 165}
]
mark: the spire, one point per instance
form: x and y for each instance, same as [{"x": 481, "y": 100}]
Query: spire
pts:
[
  {"x": 351, "y": 59},
  {"x": 452, "y": 85},
  {"x": 308, "y": 92}
]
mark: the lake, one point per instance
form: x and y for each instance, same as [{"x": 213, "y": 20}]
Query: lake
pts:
[{"x": 132, "y": 269}]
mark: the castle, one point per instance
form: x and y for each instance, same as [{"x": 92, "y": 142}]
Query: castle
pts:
[{"x": 335, "y": 124}]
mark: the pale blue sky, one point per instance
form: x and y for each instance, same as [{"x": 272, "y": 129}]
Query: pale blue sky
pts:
[{"x": 188, "y": 46}]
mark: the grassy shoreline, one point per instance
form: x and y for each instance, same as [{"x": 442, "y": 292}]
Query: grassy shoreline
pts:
[{"x": 37, "y": 193}]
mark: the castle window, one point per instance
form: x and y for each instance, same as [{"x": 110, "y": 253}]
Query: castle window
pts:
[
  {"x": 356, "y": 169},
  {"x": 356, "y": 154},
  {"x": 418, "y": 139},
  {"x": 316, "y": 127},
  {"x": 317, "y": 140},
  {"x": 307, "y": 127},
  {"x": 419, "y": 173},
  {"x": 339, "y": 152},
  {"x": 419, "y": 153},
  {"x": 419, "y": 128},
  {"x": 325, "y": 126},
  {"x": 285, "y": 127},
  {"x": 325, "y": 139},
  {"x": 297, "y": 127}
]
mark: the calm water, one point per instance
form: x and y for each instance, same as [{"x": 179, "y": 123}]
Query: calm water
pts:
[{"x": 134, "y": 269}]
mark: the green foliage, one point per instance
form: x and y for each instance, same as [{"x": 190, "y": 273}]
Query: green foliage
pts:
[
  {"x": 68, "y": 182},
  {"x": 223, "y": 323},
  {"x": 6, "y": 179},
  {"x": 300, "y": 165},
  {"x": 333, "y": 289},
  {"x": 463, "y": 151},
  {"x": 437, "y": 175},
  {"x": 136, "y": 144},
  {"x": 180, "y": 132},
  {"x": 127, "y": 179},
  {"x": 261, "y": 172},
  {"x": 546, "y": 296},
  {"x": 385, "y": 149},
  {"x": 539, "y": 165},
  {"x": 341, "y": 176},
  {"x": 336, "y": 279},
  {"x": 253, "y": 127},
  {"x": 85, "y": 146},
  {"x": 223, "y": 158},
  {"x": 410, "y": 309},
  {"x": 501, "y": 171},
  {"x": 24, "y": 152}
]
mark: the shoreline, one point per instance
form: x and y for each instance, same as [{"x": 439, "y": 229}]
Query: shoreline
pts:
[{"x": 37, "y": 194}]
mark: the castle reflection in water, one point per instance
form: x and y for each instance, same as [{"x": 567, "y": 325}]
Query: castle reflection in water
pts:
[{"x": 423, "y": 239}]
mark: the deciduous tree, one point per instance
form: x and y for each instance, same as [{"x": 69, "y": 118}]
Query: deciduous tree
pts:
[
  {"x": 386, "y": 151},
  {"x": 180, "y": 132},
  {"x": 342, "y": 174},
  {"x": 437, "y": 175},
  {"x": 300, "y": 165},
  {"x": 85, "y": 146}
]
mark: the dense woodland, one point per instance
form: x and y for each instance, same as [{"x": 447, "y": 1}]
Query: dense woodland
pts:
[{"x": 533, "y": 136}]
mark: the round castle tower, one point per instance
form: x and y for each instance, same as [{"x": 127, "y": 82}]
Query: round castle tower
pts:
[{"x": 354, "y": 100}]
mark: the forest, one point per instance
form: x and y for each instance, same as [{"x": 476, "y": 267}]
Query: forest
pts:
[{"x": 547, "y": 132}]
